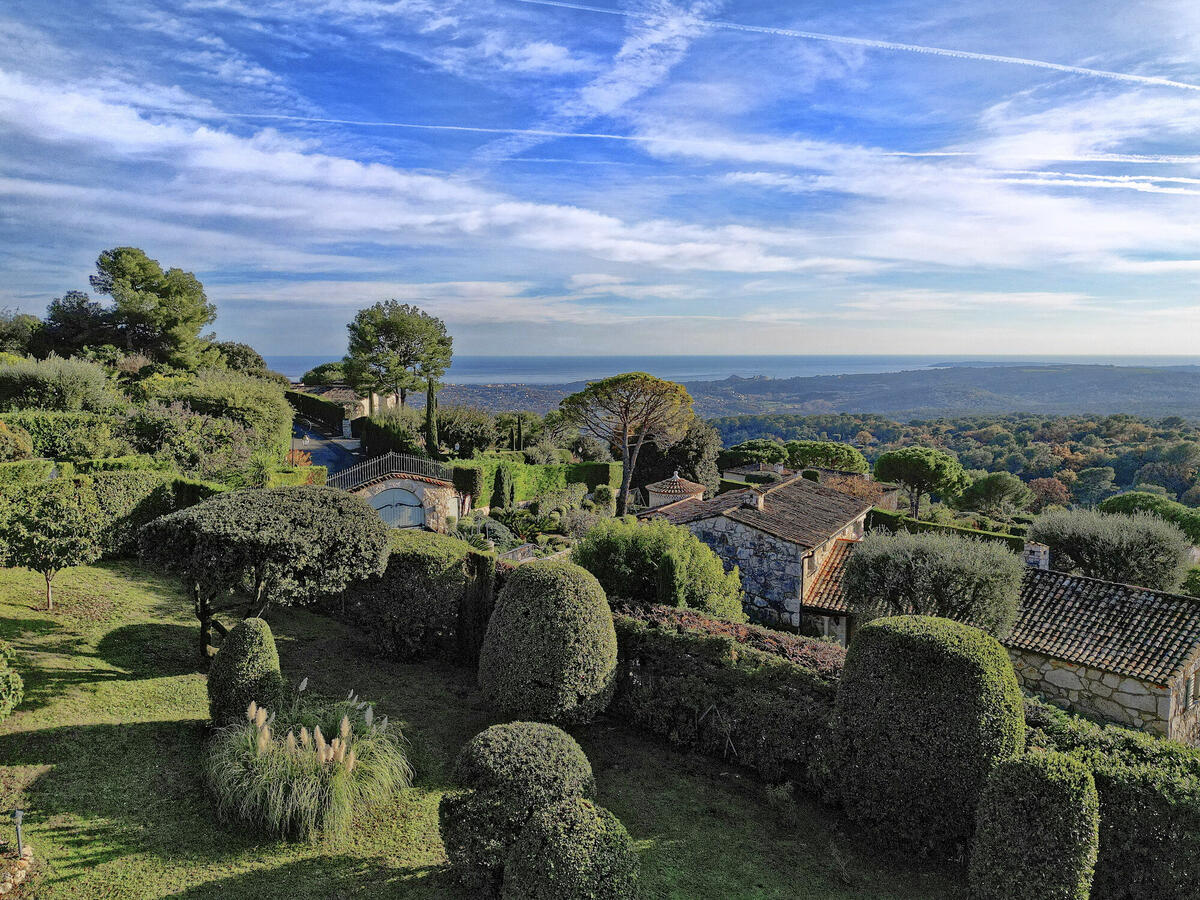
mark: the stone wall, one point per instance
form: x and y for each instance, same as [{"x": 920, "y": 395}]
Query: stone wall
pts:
[
  {"x": 772, "y": 570},
  {"x": 1117, "y": 698},
  {"x": 1185, "y": 716}
]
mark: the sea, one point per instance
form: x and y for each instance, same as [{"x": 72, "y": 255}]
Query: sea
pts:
[{"x": 568, "y": 369}]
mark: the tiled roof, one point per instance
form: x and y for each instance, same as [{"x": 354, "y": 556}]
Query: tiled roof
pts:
[
  {"x": 798, "y": 511},
  {"x": 1118, "y": 628},
  {"x": 825, "y": 593},
  {"x": 752, "y": 468},
  {"x": 1115, "y": 627},
  {"x": 675, "y": 485}
]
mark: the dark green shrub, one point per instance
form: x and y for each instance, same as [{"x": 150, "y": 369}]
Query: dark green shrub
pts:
[
  {"x": 761, "y": 697},
  {"x": 574, "y": 850},
  {"x": 469, "y": 480},
  {"x": 503, "y": 497},
  {"x": 763, "y": 478},
  {"x": 317, "y": 409},
  {"x": 1185, "y": 517},
  {"x": 625, "y": 556},
  {"x": 1037, "y": 830},
  {"x": 412, "y": 609},
  {"x": 926, "y": 709},
  {"x": 811, "y": 475},
  {"x": 245, "y": 668},
  {"x": 510, "y": 771},
  {"x": 12, "y": 688},
  {"x": 671, "y": 581},
  {"x": 15, "y": 443},
  {"x": 127, "y": 463},
  {"x": 550, "y": 651},
  {"x": 392, "y": 432},
  {"x": 605, "y": 498},
  {"x": 1149, "y": 803},
  {"x": 306, "y": 769}
]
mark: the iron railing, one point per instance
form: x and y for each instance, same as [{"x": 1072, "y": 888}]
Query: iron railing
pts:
[{"x": 390, "y": 464}]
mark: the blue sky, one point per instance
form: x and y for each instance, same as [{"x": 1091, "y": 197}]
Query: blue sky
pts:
[{"x": 622, "y": 177}]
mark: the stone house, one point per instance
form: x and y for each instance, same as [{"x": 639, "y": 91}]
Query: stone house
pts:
[
  {"x": 1126, "y": 654},
  {"x": 355, "y": 406},
  {"x": 777, "y": 535}
]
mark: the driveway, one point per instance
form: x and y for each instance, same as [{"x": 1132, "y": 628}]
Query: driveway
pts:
[{"x": 333, "y": 453}]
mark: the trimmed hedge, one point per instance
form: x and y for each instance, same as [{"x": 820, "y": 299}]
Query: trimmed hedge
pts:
[
  {"x": 550, "y": 651},
  {"x": 896, "y": 521},
  {"x": 12, "y": 688},
  {"x": 762, "y": 698},
  {"x": 530, "y": 481},
  {"x": 25, "y": 471},
  {"x": 295, "y": 475},
  {"x": 245, "y": 668},
  {"x": 389, "y": 434},
  {"x": 509, "y": 771},
  {"x": 413, "y": 609},
  {"x": 1037, "y": 830},
  {"x": 130, "y": 499},
  {"x": 926, "y": 708},
  {"x": 626, "y": 556},
  {"x": 574, "y": 850},
  {"x": 1149, "y": 804},
  {"x": 323, "y": 412},
  {"x": 126, "y": 463},
  {"x": 15, "y": 443},
  {"x": 71, "y": 435}
]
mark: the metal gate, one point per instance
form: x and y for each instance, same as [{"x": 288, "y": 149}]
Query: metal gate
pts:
[{"x": 399, "y": 508}]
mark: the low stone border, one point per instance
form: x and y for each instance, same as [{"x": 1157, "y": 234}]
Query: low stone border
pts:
[{"x": 14, "y": 869}]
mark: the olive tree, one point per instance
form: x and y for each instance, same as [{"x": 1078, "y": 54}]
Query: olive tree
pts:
[
  {"x": 944, "y": 575},
  {"x": 1139, "y": 549},
  {"x": 919, "y": 470},
  {"x": 52, "y": 527},
  {"x": 626, "y": 411},
  {"x": 288, "y": 545}
]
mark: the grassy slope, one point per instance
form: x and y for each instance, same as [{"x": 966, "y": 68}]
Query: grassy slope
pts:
[{"x": 104, "y": 755}]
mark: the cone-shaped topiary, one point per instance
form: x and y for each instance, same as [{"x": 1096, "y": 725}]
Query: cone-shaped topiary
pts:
[
  {"x": 574, "y": 850},
  {"x": 550, "y": 651},
  {"x": 926, "y": 708},
  {"x": 1037, "y": 830},
  {"x": 512, "y": 770},
  {"x": 245, "y": 668}
]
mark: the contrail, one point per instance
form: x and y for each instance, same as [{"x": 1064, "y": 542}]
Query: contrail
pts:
[
  {"x": 888, "y": 45},
  {"x": 643, "y": 139}
]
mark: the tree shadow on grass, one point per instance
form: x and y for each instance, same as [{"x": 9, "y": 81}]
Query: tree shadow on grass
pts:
[
  {"x": 151, "y": 650},
  {"x": 330, "y": 876}
]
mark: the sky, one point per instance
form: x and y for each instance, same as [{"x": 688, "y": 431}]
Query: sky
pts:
[{"x": 622, "y": 176}]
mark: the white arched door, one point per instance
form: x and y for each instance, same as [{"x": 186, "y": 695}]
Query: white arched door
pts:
[{"x": 399, "y": 508}]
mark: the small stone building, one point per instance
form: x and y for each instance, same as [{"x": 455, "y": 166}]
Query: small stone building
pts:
[
  {"x": 671, "y": 490},
  {"x": 1126, "y": 654},
  {"x": 414, "y": 501},
  {"x": 778, "y": 536}
]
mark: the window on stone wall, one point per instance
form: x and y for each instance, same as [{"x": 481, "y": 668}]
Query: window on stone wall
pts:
[
  {"x": 1194, "y": 683},
  {"x": 1189, "y": 693}
]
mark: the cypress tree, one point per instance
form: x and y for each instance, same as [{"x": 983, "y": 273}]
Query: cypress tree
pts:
[{"x": 431, "y": 426}]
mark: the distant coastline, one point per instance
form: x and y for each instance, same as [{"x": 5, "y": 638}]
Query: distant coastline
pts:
[{"x": 548, "y": 370}]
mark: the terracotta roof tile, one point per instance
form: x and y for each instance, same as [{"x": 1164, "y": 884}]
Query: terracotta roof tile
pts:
[
  {"x": 825, "y": 593},
  {"x": 675, "y": 485}
]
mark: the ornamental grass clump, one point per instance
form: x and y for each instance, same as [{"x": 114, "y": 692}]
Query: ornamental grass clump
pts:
[{"x": 308, "y": 771}]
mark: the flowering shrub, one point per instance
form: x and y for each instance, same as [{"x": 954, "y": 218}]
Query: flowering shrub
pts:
[{"x": 307, "y": 771}]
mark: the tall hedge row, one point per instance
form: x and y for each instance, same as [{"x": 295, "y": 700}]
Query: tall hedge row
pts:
[
  {"x": 926, "y": 708},
  {"x": 25, "y": 472},
  {"x": 895, "y": 521},
  {"x": 1149, "y": 804},
  {"x": 533, "y": 480},
  {"x": 322, "y": 411},
  {"x": 759, "y": 698}
]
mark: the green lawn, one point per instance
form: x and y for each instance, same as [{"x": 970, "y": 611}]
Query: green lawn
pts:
[{"x": 105, "y": 754}]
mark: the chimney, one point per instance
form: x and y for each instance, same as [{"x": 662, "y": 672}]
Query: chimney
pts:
[
  {"x": 753, "y": 500},
  {"x": 1036, "y": 556}
]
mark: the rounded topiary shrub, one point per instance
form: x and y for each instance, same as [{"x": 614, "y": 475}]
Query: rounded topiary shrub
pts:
[
  {"x": 1037, "y": 830},
  {"x": 926, "y": 708},
  {"x": 511, "y": 770},
  {"x": 550, "y": 651},
  {"x": 245, "y": 668},
  {"x": 574, "y": 850}
]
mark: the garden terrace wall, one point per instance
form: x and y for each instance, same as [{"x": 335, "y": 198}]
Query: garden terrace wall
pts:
[
  {"x": 1149, "y": 804},
  {"x": 740, "y": 693}
]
